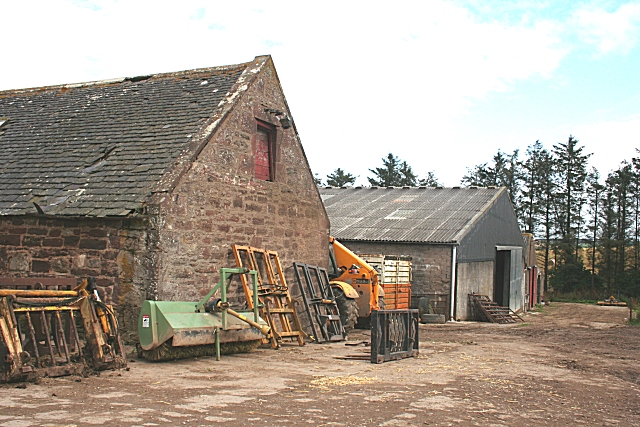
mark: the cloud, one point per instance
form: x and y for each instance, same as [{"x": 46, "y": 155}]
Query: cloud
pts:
[
  {"x": 372, "y": 77},
  {"x": 609, "y": 31}
]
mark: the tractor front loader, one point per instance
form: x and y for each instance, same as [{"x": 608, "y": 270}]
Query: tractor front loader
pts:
[
  {"x": 52, "y": 332},
  {"x": 355, "y": 286}
]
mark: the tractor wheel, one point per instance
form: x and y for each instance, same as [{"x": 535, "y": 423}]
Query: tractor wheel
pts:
[{"x": 348, "y": 308}]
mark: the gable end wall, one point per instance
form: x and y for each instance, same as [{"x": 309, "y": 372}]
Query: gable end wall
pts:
[
  {"x": 498, "y": 226},
  {"x": 217, "y": 202}
]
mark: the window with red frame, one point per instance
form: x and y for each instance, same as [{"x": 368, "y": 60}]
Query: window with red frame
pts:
[{"x": 263, "y": 153}]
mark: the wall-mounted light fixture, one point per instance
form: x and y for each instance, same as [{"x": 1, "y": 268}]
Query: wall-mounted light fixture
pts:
[{"x": 283, "y": 118}]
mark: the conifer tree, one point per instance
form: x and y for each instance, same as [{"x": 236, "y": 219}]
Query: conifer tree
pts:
[
  {"x": 407, "y": 177},
  {"x": 429, "y": 181},
  {"x": 389, "y": 174},
  {"x": 340, "y": 178},
  {"x": 571, "y": 174}
]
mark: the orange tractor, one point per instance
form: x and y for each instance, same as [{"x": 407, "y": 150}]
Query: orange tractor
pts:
[{"x": 355, "y": 286}]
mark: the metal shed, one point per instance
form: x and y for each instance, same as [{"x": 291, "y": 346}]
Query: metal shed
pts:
[{"x": 461, "y": 240}]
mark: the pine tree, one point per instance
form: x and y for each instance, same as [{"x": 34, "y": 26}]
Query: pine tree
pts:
[
  {"x": 606, "y": 247},
  {"x": 635, "y": 162},
  {"x": 389, "y": 174},
  {"x": 620, "y": 181},
  {"x": 546, "y": 199},
  {"x": 429, "y": 181},
  {"x": 571, "y": 174},
  {"x": 477, "y": 177},
  {"x": 533, "y": 170},
  {"x": 633, "y": 287},
  {"x": 340, "y": 178},
  {"x": 594, "y": 201},
  {"x": 407, "y": 177},
  {"x": 503, "y": 172}
]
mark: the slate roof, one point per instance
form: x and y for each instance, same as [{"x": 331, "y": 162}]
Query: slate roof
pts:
[
  {"x": 408, "y": 215},
  {"x": 102, "y": 148}
]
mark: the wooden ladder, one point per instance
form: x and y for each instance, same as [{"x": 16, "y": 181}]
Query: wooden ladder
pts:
[
  {"x": 492, "y": 311},
  {"x": 274, "y": 300}
]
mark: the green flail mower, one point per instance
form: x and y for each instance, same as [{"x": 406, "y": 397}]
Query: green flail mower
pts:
[{"x": 170, "y": 330}]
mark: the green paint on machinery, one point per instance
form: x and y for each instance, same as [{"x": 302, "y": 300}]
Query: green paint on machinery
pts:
[{"x": 171, "y": 330}]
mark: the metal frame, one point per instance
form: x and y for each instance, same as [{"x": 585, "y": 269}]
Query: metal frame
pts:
[
  {"x": 273, "y": 299},
  {"x": 394, "y": 335},
  {"x": 55, "y": 332},
  {"x": 317, "y": 295},
  {"x": 226, "y": 276}
]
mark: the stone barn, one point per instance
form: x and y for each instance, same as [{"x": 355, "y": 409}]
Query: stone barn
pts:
[
  {"x": 146, "y": 182},
  {"x": 460, "y": 240}
]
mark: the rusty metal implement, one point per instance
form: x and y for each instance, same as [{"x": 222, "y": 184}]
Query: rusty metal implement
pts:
[{"x": 46, "y": 331}]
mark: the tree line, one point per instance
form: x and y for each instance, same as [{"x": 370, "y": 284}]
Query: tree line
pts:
[
  {"x": 587, "y": 226},
  {"x": 393, "y": 173}
]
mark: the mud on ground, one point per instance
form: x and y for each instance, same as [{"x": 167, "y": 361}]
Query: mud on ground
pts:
[{"x": 567, "y": 365}]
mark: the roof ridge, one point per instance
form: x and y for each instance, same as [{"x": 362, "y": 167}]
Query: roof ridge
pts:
[
  {"x": 419, "y": 187},
  {"x": 38, "y": 89}
]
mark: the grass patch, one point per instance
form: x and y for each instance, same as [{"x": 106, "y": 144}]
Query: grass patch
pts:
[
  {"x": 575, "y": 300},
  {"x": 538, "y": 308}
]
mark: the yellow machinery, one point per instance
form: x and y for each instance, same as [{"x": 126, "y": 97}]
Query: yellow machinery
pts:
[
  {"x": 355, "y": 286},
  {"x": 271, "y": 296},
  {"x": 52, "y": 332},
  {"x": 613, "y": 301}
]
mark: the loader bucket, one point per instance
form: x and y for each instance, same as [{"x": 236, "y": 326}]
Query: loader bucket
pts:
[{"x": 171, "y": 330}]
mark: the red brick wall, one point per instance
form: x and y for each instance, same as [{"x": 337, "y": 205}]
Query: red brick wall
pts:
[{"x": 218, "y": 202}]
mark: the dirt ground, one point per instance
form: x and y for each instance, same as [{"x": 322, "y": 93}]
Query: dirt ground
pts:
[{"x": 567, "y": 365}]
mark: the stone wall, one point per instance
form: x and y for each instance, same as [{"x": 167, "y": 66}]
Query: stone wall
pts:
[
  {"x": 113, "y": 251},
  {"x": 218, "y": 202},
  {"x": 430, "y": 265},
  {"x": 176, "y": 251}
]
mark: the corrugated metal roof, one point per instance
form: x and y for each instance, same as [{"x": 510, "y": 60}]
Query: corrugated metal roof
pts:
[{"x": 425, "y": 215}]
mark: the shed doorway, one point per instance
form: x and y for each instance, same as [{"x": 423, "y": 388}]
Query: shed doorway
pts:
[
  {"x": 501, "y": 279},
  {"x": 507, "y": 284}
]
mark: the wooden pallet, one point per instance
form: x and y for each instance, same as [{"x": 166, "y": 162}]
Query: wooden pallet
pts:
[
  {"x": 492, "y": 311},
  {"x": 274, "y": 299}
]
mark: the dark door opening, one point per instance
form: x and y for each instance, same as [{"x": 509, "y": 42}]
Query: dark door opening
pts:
[{"x": 502, "y": 278}]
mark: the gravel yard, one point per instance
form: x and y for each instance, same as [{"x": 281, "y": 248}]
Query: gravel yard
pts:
[{"x": 569, "y": 364}]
